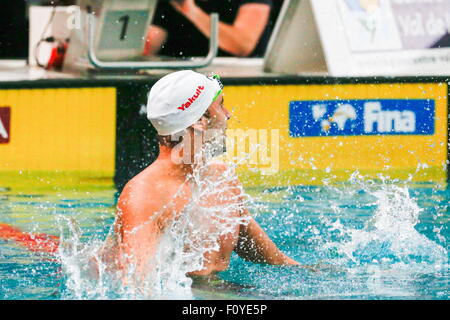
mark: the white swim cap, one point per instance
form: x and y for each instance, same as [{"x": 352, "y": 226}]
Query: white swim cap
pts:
[{"x": 179, "y": 99}]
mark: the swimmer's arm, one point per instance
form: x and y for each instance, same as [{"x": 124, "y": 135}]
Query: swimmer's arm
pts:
[
  {"x": 255, "y": 245},
  {"x": 139, "y": 238},
  {"x": 139, "y": 245}
]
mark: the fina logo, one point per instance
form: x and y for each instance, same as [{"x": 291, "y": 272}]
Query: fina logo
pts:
[
  {"x": 386, "y": 121},
  {"x": 374, "y": 117},
  {"x": 361, "y": 117},
  {"x": 340, "y": 116}
]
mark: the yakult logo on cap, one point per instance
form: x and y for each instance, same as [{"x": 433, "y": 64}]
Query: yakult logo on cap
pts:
[{"x": 191, "y": 100}]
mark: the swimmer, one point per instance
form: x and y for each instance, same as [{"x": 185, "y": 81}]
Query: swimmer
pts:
[
  {"x": 190, "y": 103},
  {"x": 181, "y": 106}
]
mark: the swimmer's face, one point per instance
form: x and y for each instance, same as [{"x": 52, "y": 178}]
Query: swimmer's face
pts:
[
  {"x": 218, "y": 114},
  {"x": 210, "y": 132},
  {"x": 215, "y": 134}
]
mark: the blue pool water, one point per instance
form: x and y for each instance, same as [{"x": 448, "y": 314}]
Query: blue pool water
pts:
[{"x": 364, "y": 240}]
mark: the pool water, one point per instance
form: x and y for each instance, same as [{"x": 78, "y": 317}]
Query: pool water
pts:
[{"x": 363, "y": 240}]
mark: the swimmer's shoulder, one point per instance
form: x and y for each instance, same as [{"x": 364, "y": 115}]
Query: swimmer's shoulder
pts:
[
  {"x": 219, "y": 167},
  {"x": 146, "y": 181},
  {"x": 140, "y": 193},
  {"x": 225, "y": 173},
  {"x": 231, "y": 189},
  {"x": 150, "y": 192}
]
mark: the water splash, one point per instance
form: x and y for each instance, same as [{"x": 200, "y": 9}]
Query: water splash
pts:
[
  {"x": 182, "y": 248},
  {"x": 346, "y": 226},
  {"x": 389, "y": 238}
]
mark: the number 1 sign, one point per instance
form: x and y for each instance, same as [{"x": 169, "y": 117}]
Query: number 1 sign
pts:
[{"x": 123, "y": 26}]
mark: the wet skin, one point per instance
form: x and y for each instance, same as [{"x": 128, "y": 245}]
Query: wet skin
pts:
[{"x": 152, "y": 199}]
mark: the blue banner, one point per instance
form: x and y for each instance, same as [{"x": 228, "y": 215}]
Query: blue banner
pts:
[{"x": 361, "y": 117}]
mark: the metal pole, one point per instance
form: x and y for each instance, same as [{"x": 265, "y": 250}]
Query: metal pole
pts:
[{"x": 135, "y": 65}]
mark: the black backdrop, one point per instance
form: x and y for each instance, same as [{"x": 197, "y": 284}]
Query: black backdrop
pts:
[{"x": 13, "y": 29}]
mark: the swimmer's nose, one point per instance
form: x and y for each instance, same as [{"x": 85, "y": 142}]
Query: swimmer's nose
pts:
[{"x": 227, "y": 113}]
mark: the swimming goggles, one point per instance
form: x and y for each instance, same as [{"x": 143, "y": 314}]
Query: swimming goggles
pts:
[{"x": 216, "y": 77}]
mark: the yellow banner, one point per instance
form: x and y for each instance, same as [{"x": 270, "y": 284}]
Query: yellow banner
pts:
[
  {"x": 260, "y": 115},
  {"x": 59, "y": 130}
]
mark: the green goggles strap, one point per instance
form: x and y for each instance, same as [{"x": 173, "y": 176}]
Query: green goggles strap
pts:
[
  {"x": 217, "y": 78},
  {"x": 217, "y": 94}
]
